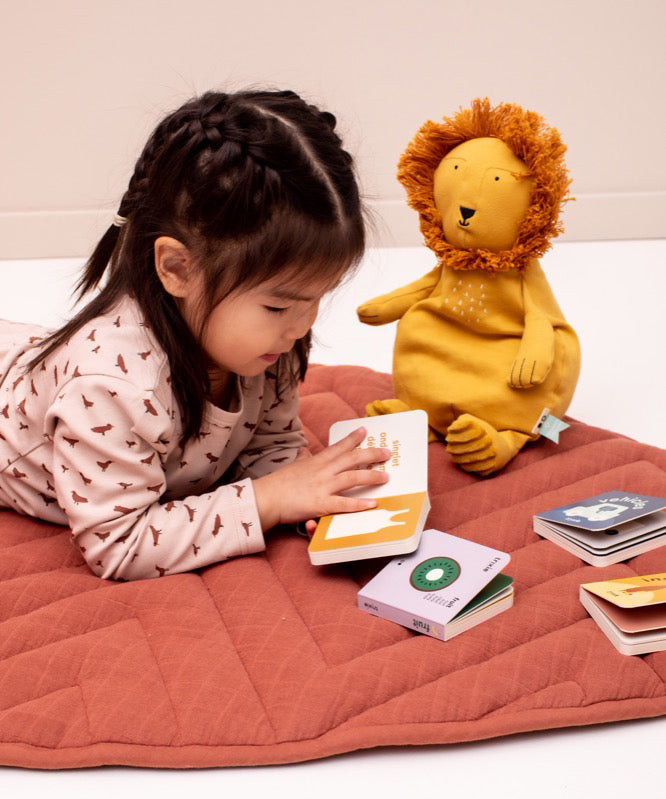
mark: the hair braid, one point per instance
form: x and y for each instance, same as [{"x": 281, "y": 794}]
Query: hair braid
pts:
[{"x": 255, "y": 185}]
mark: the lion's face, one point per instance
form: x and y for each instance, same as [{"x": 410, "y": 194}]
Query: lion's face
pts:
[{"x": 482, "y": 191}]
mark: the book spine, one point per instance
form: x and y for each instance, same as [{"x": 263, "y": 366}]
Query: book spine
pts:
[{"x": 417, "y": 623}]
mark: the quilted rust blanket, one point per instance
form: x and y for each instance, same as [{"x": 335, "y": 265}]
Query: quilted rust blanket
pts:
[{"x": 266, "y": 659}]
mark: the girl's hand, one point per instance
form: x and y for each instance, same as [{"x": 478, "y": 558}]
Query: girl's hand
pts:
[
  {"x": 311, "y": 487},
  {"x": 310, "y": 524}
]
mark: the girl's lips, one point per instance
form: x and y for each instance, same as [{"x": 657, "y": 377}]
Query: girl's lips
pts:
[{"x": 271, "y": 357}]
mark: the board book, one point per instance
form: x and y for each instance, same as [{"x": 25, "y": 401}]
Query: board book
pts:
[
  {"x": 394, "y": 526},
  {"x": 445, "y": 587},
  {"x": 607, "y": 528},
  {"x": 631, "y": 612}
]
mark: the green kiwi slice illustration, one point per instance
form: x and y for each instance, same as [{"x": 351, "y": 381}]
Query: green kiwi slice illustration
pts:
[{"x": 434, "y": 574}]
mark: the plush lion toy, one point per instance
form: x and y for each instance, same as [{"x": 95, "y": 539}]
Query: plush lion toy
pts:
[{"x": 482, "y": 345}]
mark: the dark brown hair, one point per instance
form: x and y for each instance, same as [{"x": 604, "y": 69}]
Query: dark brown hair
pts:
[{"x": 253, "y": 184}]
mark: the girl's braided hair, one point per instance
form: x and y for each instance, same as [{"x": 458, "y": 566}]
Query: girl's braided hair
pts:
[{"x": 253, "y": 184}]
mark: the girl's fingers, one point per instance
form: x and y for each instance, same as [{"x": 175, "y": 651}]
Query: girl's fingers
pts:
[
  {"x": 354, "y": 505},
  {"x": 361, "y": 459},
  {"x": 357, "y": 477},
  {"x": 346, "y": 453},
  {"x": 346, "y": 444}
]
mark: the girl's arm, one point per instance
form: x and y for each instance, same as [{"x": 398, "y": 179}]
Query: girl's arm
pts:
[
  {"x": 278, "y": 436},
  {"x": 108, "y": 441},
  {"x": 389, "y": 307}
]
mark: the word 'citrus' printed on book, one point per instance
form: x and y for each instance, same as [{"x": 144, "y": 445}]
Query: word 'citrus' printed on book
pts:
[{"x": 365, "y": 521}]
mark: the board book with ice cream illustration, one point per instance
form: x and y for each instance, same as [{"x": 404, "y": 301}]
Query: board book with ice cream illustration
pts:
[
  {"x": 607, "y": 528},
  {"x": 445, "y": 587},
  {"x": 630, "y": 611},
  {"x": 395, "y": 525}
]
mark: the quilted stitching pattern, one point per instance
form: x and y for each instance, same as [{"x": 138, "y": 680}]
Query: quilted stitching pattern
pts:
[{"x": 266, "y": 659}]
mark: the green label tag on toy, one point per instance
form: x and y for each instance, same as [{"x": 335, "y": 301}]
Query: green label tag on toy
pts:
[{"x": 549, "y": 426}]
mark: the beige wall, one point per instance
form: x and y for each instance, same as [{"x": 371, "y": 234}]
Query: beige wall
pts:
[{"x": 84, "y": 83}]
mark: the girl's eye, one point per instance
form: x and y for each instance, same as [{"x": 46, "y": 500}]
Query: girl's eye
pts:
[{"x": 273, "y": 309}]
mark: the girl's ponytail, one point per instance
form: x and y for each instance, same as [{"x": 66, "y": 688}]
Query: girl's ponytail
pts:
[{"x": 96, "y": 265}]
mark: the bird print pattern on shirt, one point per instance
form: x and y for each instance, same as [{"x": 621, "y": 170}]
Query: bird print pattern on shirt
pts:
[{"x": 92, "y": 437}]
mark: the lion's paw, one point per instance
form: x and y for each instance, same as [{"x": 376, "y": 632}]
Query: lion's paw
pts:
[
  {"x": 382, "y": 407},
  {"x": 478, "y": 448}
]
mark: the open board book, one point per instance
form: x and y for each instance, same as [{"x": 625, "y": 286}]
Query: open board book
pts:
[
  {"x": 607, "y": 528},
  {"x": 630, "y": 611},
  {"x": 444, "y": 588},
  {"x": 395, "y": 525}
]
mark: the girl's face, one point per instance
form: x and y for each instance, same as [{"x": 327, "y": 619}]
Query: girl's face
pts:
[{"x": 248, "y": 330}]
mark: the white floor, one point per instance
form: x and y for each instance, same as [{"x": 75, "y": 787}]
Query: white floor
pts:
[{"x": 613, "y": 293}]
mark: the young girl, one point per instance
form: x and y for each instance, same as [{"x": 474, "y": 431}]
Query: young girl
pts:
[{"x": 161, "y": 422}]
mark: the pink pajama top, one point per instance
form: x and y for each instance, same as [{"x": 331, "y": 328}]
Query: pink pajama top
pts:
[{"x": 90, "y": 439}]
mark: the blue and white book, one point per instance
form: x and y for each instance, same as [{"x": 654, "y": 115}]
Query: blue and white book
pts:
[{"x": 607, "y": 528}]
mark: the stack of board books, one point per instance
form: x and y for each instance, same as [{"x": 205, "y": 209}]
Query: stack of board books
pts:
[
  {"x": 630, "y": 611},
  {"x": 448, "y": 585},
  {"x": 607, "y": 528},
  {"x": 438, "y": 584},
  {"x": 395, "y": 525}
]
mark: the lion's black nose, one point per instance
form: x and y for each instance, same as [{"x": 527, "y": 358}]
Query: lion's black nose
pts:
[{"x": 466, "y": 213}]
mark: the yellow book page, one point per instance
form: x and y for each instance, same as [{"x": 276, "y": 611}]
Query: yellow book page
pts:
[
  {"x": 394, "y": 519},
  {"x": 632, "y": 592}
]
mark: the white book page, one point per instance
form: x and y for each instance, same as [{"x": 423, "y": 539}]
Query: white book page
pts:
[{"x": 406, "y": 435}]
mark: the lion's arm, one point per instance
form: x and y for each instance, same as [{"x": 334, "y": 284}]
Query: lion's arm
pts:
[
  {"x": 537, "y": 346},
  {"x": 389, "y": 307}
]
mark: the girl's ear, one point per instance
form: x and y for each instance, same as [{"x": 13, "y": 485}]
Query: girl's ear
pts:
[{"x": 175, "y": 266}]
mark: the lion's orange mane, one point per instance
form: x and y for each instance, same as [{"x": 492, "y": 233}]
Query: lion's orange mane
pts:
[{"x": 537, "y": 145}]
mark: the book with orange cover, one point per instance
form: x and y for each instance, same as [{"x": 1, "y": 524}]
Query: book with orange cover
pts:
[
  {"x": 630, "y": 611},
  {"x": 395, "y": 525}
]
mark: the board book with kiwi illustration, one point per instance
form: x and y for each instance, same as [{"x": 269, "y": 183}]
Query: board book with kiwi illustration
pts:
[
  {"x": 631, "y": 611},
  {"x": 395, "y": 525},
  {"x": 448, "y": 585}
]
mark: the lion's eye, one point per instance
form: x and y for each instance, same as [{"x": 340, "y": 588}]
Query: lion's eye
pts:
[
  {"x": 455, "y": 166},
  {"x": 496, "y": 178}
]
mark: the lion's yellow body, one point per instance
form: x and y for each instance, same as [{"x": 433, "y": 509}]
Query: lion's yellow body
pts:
[
  {"x": 457, "y": 349},
  {"x": 482, "y": 345}
]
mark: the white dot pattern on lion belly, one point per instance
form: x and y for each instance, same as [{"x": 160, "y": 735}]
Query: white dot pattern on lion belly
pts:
[{"x": 473, "y": 303}]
